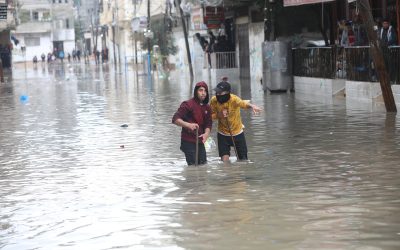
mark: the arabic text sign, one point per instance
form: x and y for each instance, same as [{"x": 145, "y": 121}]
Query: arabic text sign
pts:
[{"x": 3, "y": 11}]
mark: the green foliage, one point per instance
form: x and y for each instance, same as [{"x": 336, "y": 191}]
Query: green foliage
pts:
[
  {"x": 78, "y": 30},
  {"x": 163, "y": 38},
  {"x": 24, "y": 16}
]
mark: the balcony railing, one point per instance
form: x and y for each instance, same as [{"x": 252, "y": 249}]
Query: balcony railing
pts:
[
  {"x": 314, "y": 62},
  {"x": 352, "y": 63},
  {"x": 220, "y": 60}
]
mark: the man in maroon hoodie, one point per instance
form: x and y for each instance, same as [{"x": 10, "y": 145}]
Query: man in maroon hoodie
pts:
[{"x": 194, "y": 114}]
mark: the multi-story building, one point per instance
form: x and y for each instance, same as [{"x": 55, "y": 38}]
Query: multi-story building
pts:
[
  {"x": 45, "y": 26},
  {"x": 63, "y": 30},
  {"x": 116, "y": 16},
  {"x": 7, "y": 23}
]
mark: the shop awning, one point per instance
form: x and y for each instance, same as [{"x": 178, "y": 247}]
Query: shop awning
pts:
[{"x": 288, "y": 3}]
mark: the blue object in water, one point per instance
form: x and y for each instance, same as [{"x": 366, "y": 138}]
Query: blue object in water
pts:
[{"x": 23, "y": 98}]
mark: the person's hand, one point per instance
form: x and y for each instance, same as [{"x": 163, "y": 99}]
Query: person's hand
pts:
[
  {"x": 224, "y": 113},
  {"x": 255, "y": 109},
  {"x": 204, "y": 137},
  {"x": 192, "y": 126}
]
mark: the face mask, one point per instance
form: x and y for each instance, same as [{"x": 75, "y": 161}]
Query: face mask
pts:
[{"x": 223, "y": 98}]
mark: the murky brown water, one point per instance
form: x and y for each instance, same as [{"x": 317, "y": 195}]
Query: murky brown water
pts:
[{"x": 321, "y": 176}]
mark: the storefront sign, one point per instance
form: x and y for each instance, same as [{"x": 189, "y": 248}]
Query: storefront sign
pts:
[
  {"x": 197, "y": 19},
  {"x": 213, "y": 17},
  {"x": 3, "y": 11},
  {"x": 287, "y": 3},
  {"x": 139, "y": 23}
]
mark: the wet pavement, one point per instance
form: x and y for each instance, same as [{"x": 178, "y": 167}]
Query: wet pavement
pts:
[{"x": 322, "y": 175}]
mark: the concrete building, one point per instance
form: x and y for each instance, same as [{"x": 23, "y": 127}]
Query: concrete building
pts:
[
  {"x": 240, "y": 58},
  {"x": 44, "y": 27},
  {"x": 7, "y": 23},
  {"x": 117, "y": 16}
]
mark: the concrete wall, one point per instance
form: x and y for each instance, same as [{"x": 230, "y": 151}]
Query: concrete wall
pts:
[
  {"x": 396, "y": 93},
  {"x": 180, "y": 58},
  {"x": 363, "y": 91},
  {"x": 358, "y": 94},
  {"x": 256, "y": 38},
  {"x": 318, "y": 86}
]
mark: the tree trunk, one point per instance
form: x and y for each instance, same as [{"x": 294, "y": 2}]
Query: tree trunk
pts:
[{"x": 377, "y": 56}]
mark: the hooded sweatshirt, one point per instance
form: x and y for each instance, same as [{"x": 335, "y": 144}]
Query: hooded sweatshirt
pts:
[{"x": 194, "y": 111}]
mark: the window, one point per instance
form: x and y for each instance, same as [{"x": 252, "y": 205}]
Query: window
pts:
[
  {"x": 59, "y": 1},
  {"x": 32, "y": 41},
  {"x": 24, "y": 16},
  {"x": 59, "y": 24},
  {"x": 46, "y": 16},
  {"x": 67, "y": 23},
  {"x": 66, "y": 1},
  {"x": 35, "y": 16},
  {"x": 54, "y": 1}
]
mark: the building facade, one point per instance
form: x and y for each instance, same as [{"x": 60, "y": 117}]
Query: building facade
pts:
[
  {"x": 116, "y": 17},
  {"x": 7, "y": 23},
  {"x": 87, "y": 21},
  {"x": 44, "y": 27}
]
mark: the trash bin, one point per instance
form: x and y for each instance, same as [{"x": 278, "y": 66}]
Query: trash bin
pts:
[{"x": 277, "y": 66}]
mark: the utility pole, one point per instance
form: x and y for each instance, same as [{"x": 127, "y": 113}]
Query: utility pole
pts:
[
  {"x": 398, "y": 20},
  {"x": 118, "y": 35},
  {"x": 377, "y": 56},
  {"x": 113, "y": 39},
  {"x": 269, "y": 20},
  {"x": 148, "y": 39},
  {"x": 186, "y": 42},
  {"x": 135, "y": 32}
]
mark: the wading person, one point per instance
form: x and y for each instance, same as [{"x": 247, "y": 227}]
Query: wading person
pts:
[
  {"x": 194, "y": 116},
  {"x": 225, "y": 108}
]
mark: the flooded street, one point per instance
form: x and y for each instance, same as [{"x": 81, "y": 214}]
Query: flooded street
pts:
[{"x": 320, "y": 176}]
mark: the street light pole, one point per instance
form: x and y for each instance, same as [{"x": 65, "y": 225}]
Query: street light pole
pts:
[
  {"x": 134, "y": 34},
  {"x": 148, "y": 38},
  {"x": 113, "y": 39},
  {"x": 185, "y": 33}
]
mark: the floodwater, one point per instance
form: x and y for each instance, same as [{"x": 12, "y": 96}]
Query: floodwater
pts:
[{"x": 320, "y": 176}]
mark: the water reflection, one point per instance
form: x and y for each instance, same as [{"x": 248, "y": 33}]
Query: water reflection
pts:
[{"x": 322, "y": 175}]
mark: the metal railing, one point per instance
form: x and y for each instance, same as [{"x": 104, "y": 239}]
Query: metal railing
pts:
[
  {"x": 314, "y": 62},
  {"x": 359, "y": 65},
  {"x": 352, "y": 63},
  {"x": 220, "y": 60},
  {"x": 394, "y": 64}
]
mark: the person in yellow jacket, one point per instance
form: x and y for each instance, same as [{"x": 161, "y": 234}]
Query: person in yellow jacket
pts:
[{"x": 225, "y": 107}]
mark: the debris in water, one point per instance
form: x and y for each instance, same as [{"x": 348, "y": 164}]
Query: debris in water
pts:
[{"x": 24, "y": 98}]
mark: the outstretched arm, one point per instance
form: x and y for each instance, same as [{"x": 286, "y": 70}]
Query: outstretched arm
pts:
[
  {"x": 248, "y": 105},
  {"x": 255, "y": 108}
]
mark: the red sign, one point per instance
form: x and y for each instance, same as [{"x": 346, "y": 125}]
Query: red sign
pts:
[
  {"x": 197, "y": 19},
  {"x": 287, "y": 3},
  {"x": 213, "y": 17}
]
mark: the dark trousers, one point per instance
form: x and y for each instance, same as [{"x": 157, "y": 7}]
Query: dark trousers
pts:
[
  {"x": 225, "y": 143},
  {"x": 189, "y": 148}
]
